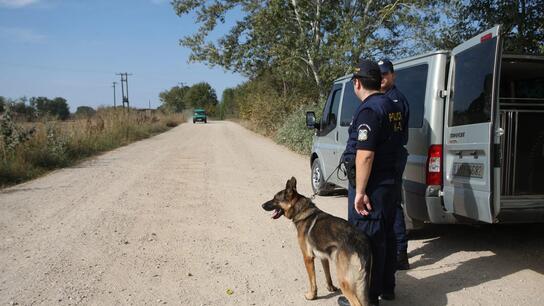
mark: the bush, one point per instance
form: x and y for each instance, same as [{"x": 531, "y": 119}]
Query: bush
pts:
[{"x": 294, "y": 134}]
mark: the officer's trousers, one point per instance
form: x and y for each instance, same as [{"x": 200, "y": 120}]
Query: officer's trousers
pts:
[
  {"x": 378, "y": 226},
  {"x": 399, "y": 227}
]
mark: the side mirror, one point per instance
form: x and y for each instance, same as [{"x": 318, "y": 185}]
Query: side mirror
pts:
[{"x": 310, "y": 120}]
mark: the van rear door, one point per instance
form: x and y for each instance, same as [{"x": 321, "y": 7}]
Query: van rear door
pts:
[{"x": 471, "y": 172}]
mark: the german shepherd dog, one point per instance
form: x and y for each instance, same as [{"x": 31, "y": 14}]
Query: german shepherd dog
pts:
[{"x": 330, "y": 239}]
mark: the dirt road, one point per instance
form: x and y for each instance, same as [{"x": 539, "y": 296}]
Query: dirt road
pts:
[{"x": 176, "y": 219}]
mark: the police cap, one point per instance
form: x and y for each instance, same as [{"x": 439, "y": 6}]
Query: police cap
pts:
[
  {"x": 386, "y": 66},
  {"x": 367, "y": 69}
]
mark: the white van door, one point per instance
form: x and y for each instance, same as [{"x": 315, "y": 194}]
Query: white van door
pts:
[
  {"x": 471, "y": 170},
  {"x": 328, "y": 132}
]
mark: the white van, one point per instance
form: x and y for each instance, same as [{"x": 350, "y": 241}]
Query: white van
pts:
[{"x": 476, "y": 144}]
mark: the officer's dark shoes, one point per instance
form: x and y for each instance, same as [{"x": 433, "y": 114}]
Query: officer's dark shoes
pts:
[
  {"x": 388, "y": 296},
  {"x": 402, "y": 261},
  {"x": 342, "y": 301},
  {"x": 374, "y": 302}
]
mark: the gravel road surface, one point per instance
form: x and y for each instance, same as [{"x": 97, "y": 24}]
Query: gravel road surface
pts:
[{"x": 176, "y": 219}]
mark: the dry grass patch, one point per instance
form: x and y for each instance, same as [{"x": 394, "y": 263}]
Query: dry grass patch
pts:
[{"x": 28, "y": 150}]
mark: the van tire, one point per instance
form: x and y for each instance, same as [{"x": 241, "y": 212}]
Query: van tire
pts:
[{"x": 318, "y": 181}]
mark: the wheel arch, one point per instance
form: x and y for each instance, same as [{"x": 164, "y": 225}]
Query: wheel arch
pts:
[{"x": 312, "y": 158}]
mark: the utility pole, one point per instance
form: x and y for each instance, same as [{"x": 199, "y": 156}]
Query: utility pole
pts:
[
  {"x": 149, "y": 103},
  {"x": 124, "y": 86},
  {"x": 114, "y": 83}
]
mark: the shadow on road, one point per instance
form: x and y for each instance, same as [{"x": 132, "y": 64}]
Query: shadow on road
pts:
[{"x": 507, "y": 249}]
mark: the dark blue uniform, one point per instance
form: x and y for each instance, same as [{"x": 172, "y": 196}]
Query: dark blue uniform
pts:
[
  {"x": 399, "y": 226},
  {"x": 378, "y": 126}
]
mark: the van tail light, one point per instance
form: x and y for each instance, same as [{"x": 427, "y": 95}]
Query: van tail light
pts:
[{"x": 434, "y": 165}]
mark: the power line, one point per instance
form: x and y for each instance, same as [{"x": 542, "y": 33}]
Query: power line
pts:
[
  {"x": 124, "y": 86},
  {"x": 114, "y": 104}
]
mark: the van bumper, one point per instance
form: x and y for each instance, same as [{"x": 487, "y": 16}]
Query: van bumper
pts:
[
  {"x": 435, "y": 206},
  {"x": 424, "y": 203}
]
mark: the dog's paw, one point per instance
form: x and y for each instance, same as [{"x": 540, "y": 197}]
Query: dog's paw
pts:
[
  {"x": 310, "y": 295},
  {"x": 331, "y": 288}
]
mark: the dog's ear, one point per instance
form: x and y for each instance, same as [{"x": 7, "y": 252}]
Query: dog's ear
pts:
[{"x": 291, "y": 184}]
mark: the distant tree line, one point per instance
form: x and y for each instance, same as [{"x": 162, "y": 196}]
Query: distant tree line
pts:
[
  {"x": 179, "y": 98},
  {"x": 36, "y": 107},
  {"x": 30, "y": 109},
  {"x": 291, "y": 51}
]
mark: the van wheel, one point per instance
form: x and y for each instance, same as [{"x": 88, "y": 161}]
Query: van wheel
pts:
[{"x": 318, "y": 181}]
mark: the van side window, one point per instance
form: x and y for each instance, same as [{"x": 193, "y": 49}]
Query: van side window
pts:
[
  {"x": 330, "y": 113},
  {"x": 472, "y": 85},
  {"x": 349, "y": 104},
  {"x": 412, "y": 82}
]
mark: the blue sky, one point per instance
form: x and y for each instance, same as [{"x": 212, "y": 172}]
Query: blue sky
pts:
[{"x": 73, "y": 48}]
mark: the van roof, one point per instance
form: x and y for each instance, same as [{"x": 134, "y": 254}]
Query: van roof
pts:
[{"x": 404, "y": 60}]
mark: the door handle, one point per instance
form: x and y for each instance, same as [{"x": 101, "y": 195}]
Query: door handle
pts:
[{"x": 336, "y": 137}]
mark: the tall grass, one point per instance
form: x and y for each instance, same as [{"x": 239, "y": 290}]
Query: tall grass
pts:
[{"x": 54, "y": 144}]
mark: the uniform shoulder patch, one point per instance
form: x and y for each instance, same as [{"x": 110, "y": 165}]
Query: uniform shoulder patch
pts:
[
  {"x": 363, "y": 135},
  {"x": 362, "y": 132}
]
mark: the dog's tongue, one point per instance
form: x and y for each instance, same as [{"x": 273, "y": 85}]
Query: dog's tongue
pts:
[{"x": 277, "y": 214}]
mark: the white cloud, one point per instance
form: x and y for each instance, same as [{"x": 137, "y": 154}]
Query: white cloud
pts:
[
  {"x": 21, "y": 35},
  {"x": 17, "y": 3}
]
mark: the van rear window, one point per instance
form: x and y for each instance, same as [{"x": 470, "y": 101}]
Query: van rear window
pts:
[
  {"x": 412, "y": 82},
  {"x": 472, "y": 85}
]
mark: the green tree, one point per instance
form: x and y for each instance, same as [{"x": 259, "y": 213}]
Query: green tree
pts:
[
  {"x": 21, "y": 109},
  {"x": 522, "y": 20},
  {"x": 3, "y": 103},
  {"x": 174, "y": 98},
  {"x": 202, "y": 95},
  {"x": 85, "y": 112},
  {"x": 58, "y": 107},
  {"x": 301, "y": 39},
  {"x": 229, "y": 103}
]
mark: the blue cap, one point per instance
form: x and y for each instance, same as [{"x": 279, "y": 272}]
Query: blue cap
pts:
[
  {"x": 367, "y": 69},
  {"x": 386, "y": 66}
]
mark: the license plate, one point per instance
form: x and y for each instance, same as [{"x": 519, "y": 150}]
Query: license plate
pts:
[{"x": 468, "y": 170}]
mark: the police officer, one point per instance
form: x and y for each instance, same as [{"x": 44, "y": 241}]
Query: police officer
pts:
[
  {"x": 399, "y": 227},
  {"x": 374, "y": 145}
]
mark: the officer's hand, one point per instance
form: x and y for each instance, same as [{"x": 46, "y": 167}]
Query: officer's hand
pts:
[{"x": 362, "y": 204}]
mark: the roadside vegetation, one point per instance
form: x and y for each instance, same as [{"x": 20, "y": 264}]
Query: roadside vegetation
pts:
[
  {"x": 291, "y": 51},
  {"x": 29, "y": 148}
]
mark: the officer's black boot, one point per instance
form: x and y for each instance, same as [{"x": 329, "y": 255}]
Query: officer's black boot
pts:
[
  {"x": 402, "y": 261},
  {"x": 389, "y": 296}
]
